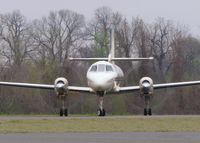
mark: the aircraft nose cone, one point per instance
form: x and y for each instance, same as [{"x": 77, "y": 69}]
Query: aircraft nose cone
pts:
[
  {"x": 101, "y": 81},
  {"x": 102, "y": 85}
]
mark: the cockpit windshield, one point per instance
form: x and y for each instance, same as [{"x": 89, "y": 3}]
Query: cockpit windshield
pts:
[
  {"x": 101, "y": 68},
  {"x": 93, "y": 68},
  {"x": 109, "y": 68}
]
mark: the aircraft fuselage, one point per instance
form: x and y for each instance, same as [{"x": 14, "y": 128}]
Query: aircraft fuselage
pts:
[{"x": 104, "y": 76}]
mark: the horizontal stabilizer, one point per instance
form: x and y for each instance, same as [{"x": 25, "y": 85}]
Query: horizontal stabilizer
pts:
[
  {"x": 113, "y": 59},
  {"x": 132, "y": 59},
  {"x": 88, "y": 59}
]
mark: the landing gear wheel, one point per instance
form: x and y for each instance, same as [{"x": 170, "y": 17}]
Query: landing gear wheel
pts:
[
  {"x": 98, "y": 112},
  {"x": 145, "y": 112},
  {"x": 61, "y": 112},
  {"x": 101, "y": 112},
  {"x": 66, "y": 112},
  {"x": 150, "y": 113}
]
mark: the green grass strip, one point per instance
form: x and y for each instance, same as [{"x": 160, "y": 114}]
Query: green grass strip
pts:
[{"x": 132, "y": 124}]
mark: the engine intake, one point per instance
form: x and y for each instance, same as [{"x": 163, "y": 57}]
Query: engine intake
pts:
[
  {"x": 146, "y": 86},
  {"x": 61, "y": 86}
]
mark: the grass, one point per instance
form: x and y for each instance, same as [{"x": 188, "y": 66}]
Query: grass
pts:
[{"x": 107, "y": 124}]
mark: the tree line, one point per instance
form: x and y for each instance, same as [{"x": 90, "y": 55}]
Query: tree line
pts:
[{"x": 37, "y": 51}]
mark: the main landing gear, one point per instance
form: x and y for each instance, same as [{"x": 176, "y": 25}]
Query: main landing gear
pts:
[
  {"x": 101, "y": 111},
  {"x": 147, "y": 112},
  {"x": 63, "y": 109},
  {"x": 147, "y": 109},
  {"x": 63, "y": 112}
]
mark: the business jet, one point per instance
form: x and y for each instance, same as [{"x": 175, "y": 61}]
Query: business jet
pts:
[{"x": 104, "y": 77}]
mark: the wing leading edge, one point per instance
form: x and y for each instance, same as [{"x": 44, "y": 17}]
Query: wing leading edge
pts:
[
  {"x": 158, "y": 86},
  {"x": 80, "y": 89},
  {"x": 89, "y": 90},
  {"x": 27, "y": 85},
  {"x": 175, "y": 84},
  {"x": 45, "y": 86}
]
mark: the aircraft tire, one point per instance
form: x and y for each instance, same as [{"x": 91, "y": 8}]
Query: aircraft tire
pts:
[
  {"x": 145, "y": 112},
  {"x": 101, "y": 112},
  {"x": 150, "y": 112},
  {"x": 66, "y": 112},
  {"x": 61, "y": 112}
]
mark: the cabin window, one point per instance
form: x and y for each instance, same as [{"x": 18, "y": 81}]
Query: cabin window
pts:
[
  {"x": 94, "y": 68},
  {"x": 109, "y": 68},
  {"x": 101, "y": 68}
]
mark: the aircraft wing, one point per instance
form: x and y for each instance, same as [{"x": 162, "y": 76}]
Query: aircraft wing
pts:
[
  {"x": 127, "y": 89},
  {"x": 175, "y": 84},
  {"x": 27, "y": 85},
  {"x": 158, "y": 86},
  {"x": 45, "y": 86},
  {"x": 80, "y": 89},
  {"x": 89, "y": 90}
]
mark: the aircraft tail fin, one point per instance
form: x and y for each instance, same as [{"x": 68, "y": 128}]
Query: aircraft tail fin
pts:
[
  {"x": 112, "y": 45},
  {"x": 111, "y": 57}
]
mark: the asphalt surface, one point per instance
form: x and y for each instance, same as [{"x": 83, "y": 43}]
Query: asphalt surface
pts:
[{"x": 160, "y": 137}]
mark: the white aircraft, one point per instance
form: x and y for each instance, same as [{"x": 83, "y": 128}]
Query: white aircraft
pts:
[{"x": 103, "y": 78}]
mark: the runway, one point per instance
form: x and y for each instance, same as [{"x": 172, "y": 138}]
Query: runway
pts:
[{"x": 130, "y": 137}]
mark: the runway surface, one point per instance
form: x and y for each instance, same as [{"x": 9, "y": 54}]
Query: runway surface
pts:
[{"x": 159, "y": 137}]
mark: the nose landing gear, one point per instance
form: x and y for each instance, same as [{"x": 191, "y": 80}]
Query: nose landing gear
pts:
[{"x": 101, "y": 111}]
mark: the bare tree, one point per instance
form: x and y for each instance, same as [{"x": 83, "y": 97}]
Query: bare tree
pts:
[
  {"x": 58, "y": 35},
  {"x": 15, "y": 39},
  {"x": 98, "y": 31},
  {"x": 125, "y": 38},
  {"x": 141, "y": 41},
  {"x": 160, "y": 43},
  {"x": 16, "y": 45}
]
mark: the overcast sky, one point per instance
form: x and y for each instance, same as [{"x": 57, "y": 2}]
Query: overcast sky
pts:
[{"x": 186, "y": 12}]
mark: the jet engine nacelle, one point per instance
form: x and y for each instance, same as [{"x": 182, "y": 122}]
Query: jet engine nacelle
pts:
[
  {"x": 61, "y": 86},
  {"x": 146, "y": 86}
]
